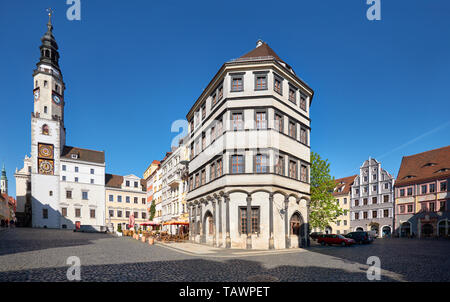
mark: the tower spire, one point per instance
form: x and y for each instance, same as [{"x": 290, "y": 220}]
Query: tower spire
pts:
[
  {"x": 49, "y": 47},
  {"x": 4, "y": 181},
  {"x": 49, "y": 24}
]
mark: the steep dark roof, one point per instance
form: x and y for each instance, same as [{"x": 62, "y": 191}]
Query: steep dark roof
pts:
[
  {"x": 425, "y": 166},
  {"x": 116, "y": 181},
  {"x": 83, "y": 154},
  {"x": 113, "y": 181}
]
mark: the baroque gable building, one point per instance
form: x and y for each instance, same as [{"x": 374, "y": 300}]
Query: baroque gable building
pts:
[{"x": 372, "y": 200}]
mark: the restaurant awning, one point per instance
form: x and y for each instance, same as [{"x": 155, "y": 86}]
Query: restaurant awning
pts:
[
  {"x": 175, "y": 223},
  {"x": 149, "y": 223}
]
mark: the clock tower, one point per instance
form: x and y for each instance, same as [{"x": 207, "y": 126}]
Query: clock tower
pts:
[{"x": 47, "y": 133}]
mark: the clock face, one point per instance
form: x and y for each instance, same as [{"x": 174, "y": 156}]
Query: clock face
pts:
[
  {"x": 46, "y": 151},
  {"x": 36, "y": 95},
  {"x": 56, "y": 99},
  {"x": 46, "y": 166}
]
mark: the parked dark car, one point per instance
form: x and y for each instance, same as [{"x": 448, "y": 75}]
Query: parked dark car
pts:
[
  {"x": 360, "y": 237},
  {"x": 314, "y": 235},
  {"x": 334, "y": 239}
]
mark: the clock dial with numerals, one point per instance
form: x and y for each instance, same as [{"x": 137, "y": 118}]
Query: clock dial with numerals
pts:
[
  {"x": 45, "y": 151},
  {"x": 46, "y": 166}
]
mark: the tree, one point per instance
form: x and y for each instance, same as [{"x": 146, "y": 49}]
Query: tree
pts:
[
  {"x": 323, "y": 208},
  {"x": 152, "y": 210}
]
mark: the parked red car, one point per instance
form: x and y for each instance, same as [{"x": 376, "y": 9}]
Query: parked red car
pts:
[{"x": 334, "y": 239}]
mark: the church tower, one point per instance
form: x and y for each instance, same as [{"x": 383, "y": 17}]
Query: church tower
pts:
[
  {"x": 4, "y": 182},
  {"x": 47, "y": 133}
]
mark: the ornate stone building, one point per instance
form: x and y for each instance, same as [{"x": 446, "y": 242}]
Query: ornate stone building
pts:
[
  {"x": 250, "y": 155},
  {"x": 372, "y": 200}
]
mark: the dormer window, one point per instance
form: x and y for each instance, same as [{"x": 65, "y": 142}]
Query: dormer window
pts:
[
  {"x": 74, "y": 156},
  {"x": 408, "y": 177},
  {"x": 429, "y": 165},
  {"x": 442, "y": 170}
]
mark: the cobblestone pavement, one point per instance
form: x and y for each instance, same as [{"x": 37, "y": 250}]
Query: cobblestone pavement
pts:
[{"x": 41, "y": 255}]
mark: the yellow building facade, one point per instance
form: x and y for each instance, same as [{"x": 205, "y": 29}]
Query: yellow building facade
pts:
[
  {"x": 125, "y": 197},
  {"x": 342, "y": 197}
]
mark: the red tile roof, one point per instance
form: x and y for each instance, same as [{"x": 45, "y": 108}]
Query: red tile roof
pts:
[
  {"x": 425, "y": 166},
  {"x": 261, "y": 51},
  {"x": 11, "y": 200},
  {"x": 346, "y": 183}
]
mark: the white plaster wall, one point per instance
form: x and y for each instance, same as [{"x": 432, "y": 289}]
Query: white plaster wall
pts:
[
  {"x": 278, "y": 222},
  {"x": 41, "y": 199},
  {"x": 96, "y": 193}
]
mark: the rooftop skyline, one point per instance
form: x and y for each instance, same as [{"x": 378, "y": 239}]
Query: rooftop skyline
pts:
[{"x": 380, "y": 86}]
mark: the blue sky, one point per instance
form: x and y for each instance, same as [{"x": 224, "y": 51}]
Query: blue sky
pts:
[{"x": 131, "y": 68}]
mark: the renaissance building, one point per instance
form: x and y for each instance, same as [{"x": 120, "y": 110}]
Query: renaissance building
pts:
[
  {"x": 250, "y": 155},
  {"x": 372, "y": 200},
  {"x": 62, "y": 186}
]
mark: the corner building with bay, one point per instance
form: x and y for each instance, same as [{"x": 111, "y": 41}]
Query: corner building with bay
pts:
[{"x": 249, "y": 149}]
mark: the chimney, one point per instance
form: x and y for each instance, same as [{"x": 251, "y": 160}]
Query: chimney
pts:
[{"x": 259, "y": 43}]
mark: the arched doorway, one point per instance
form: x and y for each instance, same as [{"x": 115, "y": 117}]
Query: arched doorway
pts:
[
  {"x": 405, "y": 229},
  {"x": 208, "y": 227},
  {"x": 427, "y": 230},
  {"x": 441, "y": 228},
  {"x": 386, "y": 231},
  {"x": 359, "y": 229},
  {"x": 375, "y": 228},
  {"x": 297, "y": 229},
  {"x": 328, "y": 230}
]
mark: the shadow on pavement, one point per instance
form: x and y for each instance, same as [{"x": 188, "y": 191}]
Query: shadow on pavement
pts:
[
  {"x": 193, "y": 270},
  {"x": 31, "y": 240}
]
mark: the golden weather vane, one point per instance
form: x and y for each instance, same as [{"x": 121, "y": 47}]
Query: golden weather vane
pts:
[{"x": 50, "y": 13}]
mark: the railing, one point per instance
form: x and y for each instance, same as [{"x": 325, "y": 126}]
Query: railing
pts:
[{"x": 252, "y": 59}]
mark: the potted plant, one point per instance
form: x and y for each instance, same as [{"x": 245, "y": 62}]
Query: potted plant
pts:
[{"x": 151, "y": 240}]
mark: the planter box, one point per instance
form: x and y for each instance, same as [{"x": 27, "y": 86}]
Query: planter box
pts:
[
  {"x": 143, "y": 239},
  {"x": 119, "y": 234},
  {"x": 151, "y": 240}
]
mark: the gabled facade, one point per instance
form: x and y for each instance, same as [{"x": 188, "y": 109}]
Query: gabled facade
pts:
[
  {"x": 372, "y": 200},
  {"x": 422, "y": 194}
]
